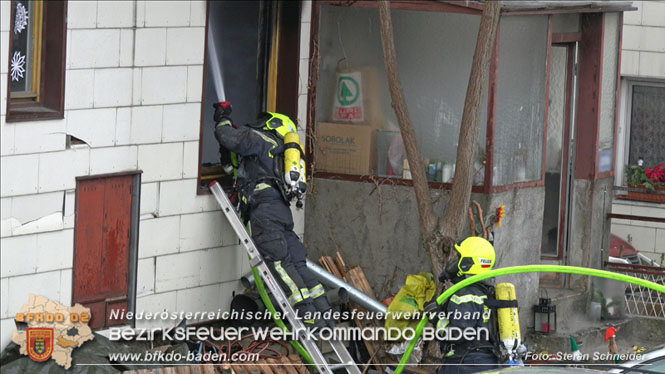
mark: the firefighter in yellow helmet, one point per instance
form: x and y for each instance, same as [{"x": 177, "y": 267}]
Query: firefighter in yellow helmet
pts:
[
  {"x": 467, "y": 310},
  {"x": 264, "y": 202}
]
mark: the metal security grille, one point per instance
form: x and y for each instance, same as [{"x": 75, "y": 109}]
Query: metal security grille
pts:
[{"x": 642, "y": 301}]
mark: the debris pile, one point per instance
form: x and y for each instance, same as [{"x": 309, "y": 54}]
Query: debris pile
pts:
[{"x": 355, "y": 276}]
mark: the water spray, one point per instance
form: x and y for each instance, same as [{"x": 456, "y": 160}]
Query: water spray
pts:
[{"x": 215, "y": 67}]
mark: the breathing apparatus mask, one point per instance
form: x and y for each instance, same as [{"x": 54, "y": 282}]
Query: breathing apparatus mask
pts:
[{"x": 450, "y": 272}]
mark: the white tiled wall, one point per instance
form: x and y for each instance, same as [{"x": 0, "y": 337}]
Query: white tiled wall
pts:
[
  {"x": 133, "y": 95},
  {"x": 644, "y": 40},
  {"x": 643, "y": 56},
  {"x": 646, "y": 237}
]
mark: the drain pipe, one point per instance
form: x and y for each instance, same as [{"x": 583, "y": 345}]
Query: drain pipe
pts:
[{"x": 355, "y": 294}]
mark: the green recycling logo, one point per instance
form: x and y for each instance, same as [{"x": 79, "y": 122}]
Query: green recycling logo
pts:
[{"x": 348, "y": 90}]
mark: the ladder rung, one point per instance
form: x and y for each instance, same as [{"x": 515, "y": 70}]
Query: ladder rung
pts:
[
  {"x": 342, "y": 365},
  {"x": 257, "y": 262}
]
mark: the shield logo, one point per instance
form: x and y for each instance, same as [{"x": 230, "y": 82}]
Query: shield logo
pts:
[{"x": 40, "y": 343}]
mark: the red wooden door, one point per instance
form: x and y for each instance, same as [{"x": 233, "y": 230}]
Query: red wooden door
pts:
[{"x": 102, "y": 253}]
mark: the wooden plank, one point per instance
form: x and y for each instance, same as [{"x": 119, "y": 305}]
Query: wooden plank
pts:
[
  {"x": 356, "y": 277},
  {"x": 183, "y": 370},
  {"x": 287, "y": 365},
  {"x": 300, "y": 368},
  {"x": 334, "y": 267},
  {"x": 276, "y": 367},
  {"x": 341, "y": 265},
  {"x": 196, "y": 369},
  {"x": 359, "y": 281},
  {"x": 253, "y": 368},
  {"x": 209, "y": 369},
  {"x": 331, "y": 267},
  {"x": 265, "y": 367},
  {"x": 326, "y": 264},
  {"x": 239, "y": 368}
]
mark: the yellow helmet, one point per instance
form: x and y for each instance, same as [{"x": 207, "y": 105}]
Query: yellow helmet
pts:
[
  {"x": 476, "y": 256},
  {"x": 280, "y": 123}
]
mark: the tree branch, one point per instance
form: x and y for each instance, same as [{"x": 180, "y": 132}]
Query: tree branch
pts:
[
  {"x": 420, "y": 186},
  {"x": 452, "y": 222}
]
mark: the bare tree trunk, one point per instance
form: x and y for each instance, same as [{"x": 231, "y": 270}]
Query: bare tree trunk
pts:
[
  {"x": 452, "y": 222},
  {"x": 449, "y": 227},
  {"x": 420, "y": 186}
]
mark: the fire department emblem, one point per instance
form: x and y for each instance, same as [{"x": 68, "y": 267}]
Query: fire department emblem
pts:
[{"x": 40, "y": 343}]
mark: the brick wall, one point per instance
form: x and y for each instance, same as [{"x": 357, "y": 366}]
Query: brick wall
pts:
[{"x": 133, "y": 94}]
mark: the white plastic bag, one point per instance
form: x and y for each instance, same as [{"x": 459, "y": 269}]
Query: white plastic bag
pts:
[
  {"x": 397, "y": 154},
  {"x": 398, "y": 350}
]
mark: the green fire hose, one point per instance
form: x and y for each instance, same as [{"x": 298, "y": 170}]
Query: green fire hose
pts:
[
  {"x": 273, "y": 312},
  {"x": 278, "y": 321},
  {"x": 517, "y": 270}
]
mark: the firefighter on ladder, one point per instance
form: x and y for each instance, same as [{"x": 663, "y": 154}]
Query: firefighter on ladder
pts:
[{"x": 264, "y": 201}]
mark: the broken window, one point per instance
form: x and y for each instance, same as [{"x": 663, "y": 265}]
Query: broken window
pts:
[
  {"x": 434, "y": 53},
  {"x": 520, "y": 113},
  {"x": 245, "y": 42},
  {"x": 36, "y": 60}
]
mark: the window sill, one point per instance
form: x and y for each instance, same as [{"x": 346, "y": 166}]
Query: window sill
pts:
[
  {"x": 21, "y": 113},
  {"x": 434, "y": 185},
  {"x": 645, "y": 196},
  {"x": 207, "y": 175},
  {"x": 388, "y": 181}
]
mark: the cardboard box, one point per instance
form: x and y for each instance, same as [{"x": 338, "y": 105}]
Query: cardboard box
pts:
[{"x": 345, "y": 148}]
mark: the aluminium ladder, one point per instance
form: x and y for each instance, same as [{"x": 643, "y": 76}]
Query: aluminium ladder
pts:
[{"x": 257, "y": 263}]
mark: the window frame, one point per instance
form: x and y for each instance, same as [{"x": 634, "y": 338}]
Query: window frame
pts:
[
  {"x": 586, "y": 170},
  {"x": 53, "y": 52},
  {"x": 613, "y": 171},
  {"x": 35, "y": 15},
  {"x": 624, "y": 119},
  {"x": 448, "y": 7},
  {"x": 288, "y": 64}
]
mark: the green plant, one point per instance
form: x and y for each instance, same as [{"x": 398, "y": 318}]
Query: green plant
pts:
[{"x": 649, "y": 178}]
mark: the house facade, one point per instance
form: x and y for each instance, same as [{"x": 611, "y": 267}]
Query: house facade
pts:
[
  {"x": 642, "y": 124},
  {"x": 104, "y": 167},
  {"x": 545, "y": 146},
  {"x": 105, "y": 159}
]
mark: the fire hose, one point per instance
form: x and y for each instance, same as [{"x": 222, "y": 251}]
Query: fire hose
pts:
[{"x": 518, "y": 270}]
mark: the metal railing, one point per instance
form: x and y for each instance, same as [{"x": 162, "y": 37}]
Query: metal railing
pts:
[{"x": 642, "y": 301}]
